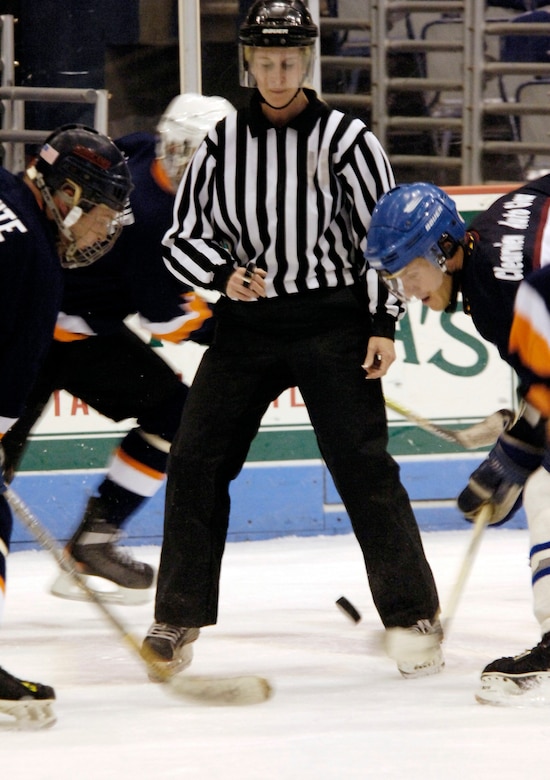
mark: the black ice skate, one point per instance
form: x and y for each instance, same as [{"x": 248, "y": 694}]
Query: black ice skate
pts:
[
  {"x": 416, "y": 648},
  {"x": 93, "y": 548},
  {"x": 168, "y": 649},
  {"x": 520, "y": 680},
  {"x": 30, "y": 703}
]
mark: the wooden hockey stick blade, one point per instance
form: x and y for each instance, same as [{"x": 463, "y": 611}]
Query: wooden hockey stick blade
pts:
[
  {"x": 482, "y": 520},
  {"x": 239, "y": 690},
  {"x": 249, "y": 689},
  {"x": 481, "y": 434}
]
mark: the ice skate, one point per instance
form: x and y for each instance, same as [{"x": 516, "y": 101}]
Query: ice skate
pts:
[
  {"x": 93, "y": 548},
  {"x": 522, "y": 680},
  {"x": 417, "y": 648},
  {"x": 168, "y": 649},
  {"x": 30, "y": 703}
]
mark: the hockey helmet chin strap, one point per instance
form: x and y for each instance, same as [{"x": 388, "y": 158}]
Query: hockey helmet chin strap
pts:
[
  {"x": 286, "y": 105},
  {"x": 455, "y": 289},
  {"x": 449, "y": 247},
  {"x": 467, "y": 246}
]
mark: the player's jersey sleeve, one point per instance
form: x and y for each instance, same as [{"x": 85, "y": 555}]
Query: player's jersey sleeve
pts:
[
  {"x": 530, "y": 339},
  {"x": 30, "y": 294}
]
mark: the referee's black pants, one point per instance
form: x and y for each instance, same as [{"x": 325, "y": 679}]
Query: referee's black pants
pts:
[{"x": 260, "y": 349}]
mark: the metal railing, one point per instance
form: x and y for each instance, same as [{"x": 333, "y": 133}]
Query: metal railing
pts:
[
  {"x": 466, "y": 122},
  {"x": 466, "y": 126},
  {"x": 13, "y": 134}
]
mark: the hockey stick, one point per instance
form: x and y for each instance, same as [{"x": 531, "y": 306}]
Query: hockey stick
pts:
[
  {"x": 479, "y": 435},
  {"x": 249, "y": 689},
  {"x": 482, "y": 520}
]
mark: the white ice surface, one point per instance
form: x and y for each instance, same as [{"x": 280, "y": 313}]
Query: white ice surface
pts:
[{"x": 340, "y": 709}]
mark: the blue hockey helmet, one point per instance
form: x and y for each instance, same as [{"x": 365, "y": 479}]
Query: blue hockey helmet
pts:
[{"x": 410, "y": 221}]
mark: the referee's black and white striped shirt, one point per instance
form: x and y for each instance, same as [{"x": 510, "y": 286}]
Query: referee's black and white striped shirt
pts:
[{"x": 296, "y": 200}]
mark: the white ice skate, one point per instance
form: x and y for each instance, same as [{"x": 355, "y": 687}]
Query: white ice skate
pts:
[{"x": 417, "y": 648}]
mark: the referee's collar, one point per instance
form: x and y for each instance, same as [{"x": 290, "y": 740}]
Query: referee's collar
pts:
[{"x": 303, "y": 122}]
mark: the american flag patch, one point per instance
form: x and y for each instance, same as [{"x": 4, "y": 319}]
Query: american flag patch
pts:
[{"x": 49, "y": 154}]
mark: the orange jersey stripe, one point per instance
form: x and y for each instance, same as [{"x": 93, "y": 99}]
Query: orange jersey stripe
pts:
[
  {"x": 194, "y": 304},
  {"x": 531, "y": 346},
  {"x": 138, "y": 466},
  {"x": 60, "y": 334},
  {"x": 539, "y": 397}
]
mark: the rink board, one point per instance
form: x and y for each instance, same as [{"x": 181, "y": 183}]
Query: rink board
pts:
[{"x": 443, "y": 366}]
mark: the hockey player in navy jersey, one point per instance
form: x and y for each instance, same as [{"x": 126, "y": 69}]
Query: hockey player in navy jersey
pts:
[
  {"x": 421, "y": 248},
  {"x": 65, "y": 211},
  {"x": 99, "y": 359}
]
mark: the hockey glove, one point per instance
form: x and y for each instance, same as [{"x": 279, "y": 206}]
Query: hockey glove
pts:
[{"x": 499, "y": 480}]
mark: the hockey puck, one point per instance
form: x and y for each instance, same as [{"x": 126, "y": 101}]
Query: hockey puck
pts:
[{"x": 348, "y": 609}]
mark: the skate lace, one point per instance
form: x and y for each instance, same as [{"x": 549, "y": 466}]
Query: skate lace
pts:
[
  {"x": 119, "y": 555},
  {"x": 425, "y": 626},
  {"x": 534, "y": 660},
  {"x": 172, "y": 634}
]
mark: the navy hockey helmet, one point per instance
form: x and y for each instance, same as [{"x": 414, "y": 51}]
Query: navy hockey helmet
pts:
[
  {"x": 273, "y": 24},
  {"x": 82, "y": 168},
  {"x": 410, "y": 221},
  {"x": 90, "y": 160}
]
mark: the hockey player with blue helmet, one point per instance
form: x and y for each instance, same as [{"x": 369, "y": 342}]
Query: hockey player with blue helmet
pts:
[
  {"x": 415, "y": 226},
  {"x": 421, "y": 249}
]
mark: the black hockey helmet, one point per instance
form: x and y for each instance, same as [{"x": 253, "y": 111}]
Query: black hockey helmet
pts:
[
  {"x": 82, "y": 168},
  {"x": 278, "y": 23},
  {"x": 85, "y": 157}
]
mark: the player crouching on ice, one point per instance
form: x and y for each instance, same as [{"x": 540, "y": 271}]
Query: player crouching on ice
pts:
[
  {"x": 422, "y": 249},
  {"x": 99, "y": 359},
  {"x": 65, "y": 211}
]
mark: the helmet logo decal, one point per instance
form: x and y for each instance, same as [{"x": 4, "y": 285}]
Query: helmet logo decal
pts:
[
  {"x": 49, "y": 154},
  {"x": 411, "y": 205},
  {"x": 433, "y": 219},
  {"x": 92, "y": 156}
]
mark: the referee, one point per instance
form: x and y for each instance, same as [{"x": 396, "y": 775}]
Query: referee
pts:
[{"x": 273, "y": 213}]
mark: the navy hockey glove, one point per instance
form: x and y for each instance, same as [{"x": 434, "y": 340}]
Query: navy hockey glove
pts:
[{"x": 499, "y": 480}]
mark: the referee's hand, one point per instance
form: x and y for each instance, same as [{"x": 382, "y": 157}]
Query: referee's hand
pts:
[
  {"x": 380, "y": 356},
  {"x": 246, "y": 284}
]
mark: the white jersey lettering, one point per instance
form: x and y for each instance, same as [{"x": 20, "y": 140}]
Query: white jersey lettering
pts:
[
  {"x": 517, "y": 211},
  {"x": 511, "y": 267},
  {"x": 9, "y": 221}
]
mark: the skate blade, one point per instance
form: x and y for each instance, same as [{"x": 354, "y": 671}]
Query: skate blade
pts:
[
  {"x": 529, "y": 690},
  {"x": 29, "y": 714},
  {"x": 65, "y": 587},
  {"x": 163, "y": 671},
  {"x": 425, "y": 668}
]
